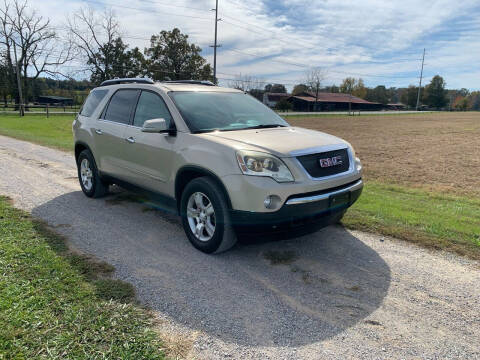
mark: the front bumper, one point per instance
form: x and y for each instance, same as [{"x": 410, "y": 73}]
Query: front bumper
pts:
[{"x": 316, "y": 209}]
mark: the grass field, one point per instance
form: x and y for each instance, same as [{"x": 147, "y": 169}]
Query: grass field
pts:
[
  {"x": 55, "y": 304},
  {"x": 421, "y": 171},
  {"x": 55, "y": 131}
]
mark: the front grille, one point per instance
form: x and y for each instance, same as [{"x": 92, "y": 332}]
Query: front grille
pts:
[{"x": 311, "y": 163}]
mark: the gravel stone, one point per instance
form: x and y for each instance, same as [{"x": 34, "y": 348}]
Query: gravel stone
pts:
[{"x": 346, "y": 294}]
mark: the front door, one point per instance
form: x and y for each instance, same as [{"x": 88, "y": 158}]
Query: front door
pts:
[{"x": 149, "y": 155}]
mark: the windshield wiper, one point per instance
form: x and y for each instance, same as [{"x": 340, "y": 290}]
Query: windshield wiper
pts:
[{"x": 263, "y": 126}]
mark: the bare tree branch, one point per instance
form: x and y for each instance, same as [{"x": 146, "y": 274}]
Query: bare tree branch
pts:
[{"x": 314, "y": 79}]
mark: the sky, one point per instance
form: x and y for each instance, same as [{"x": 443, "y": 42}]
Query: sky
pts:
[{"x": 279, "y": 41}]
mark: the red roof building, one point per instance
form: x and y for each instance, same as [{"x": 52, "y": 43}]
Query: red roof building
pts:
[{"x": 330, "y": 102}]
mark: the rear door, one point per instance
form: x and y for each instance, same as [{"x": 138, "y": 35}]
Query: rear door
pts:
[
  {"x": 149, "y": 155},
  {"x": 110, "y": 132}
]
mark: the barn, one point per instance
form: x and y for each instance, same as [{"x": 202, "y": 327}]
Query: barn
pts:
[
  {"x": 305, "y": 101},
  {"x": 54, "y": 100}
]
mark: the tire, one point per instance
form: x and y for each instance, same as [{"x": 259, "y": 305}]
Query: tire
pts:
[
  {"x": 95, "y": 187},
  {"x": 200, "y": 217}
]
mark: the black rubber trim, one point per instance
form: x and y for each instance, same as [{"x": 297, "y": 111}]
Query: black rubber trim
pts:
[
  {"x": 205, "y": 172},
  {"x": 165, "y": 202}
]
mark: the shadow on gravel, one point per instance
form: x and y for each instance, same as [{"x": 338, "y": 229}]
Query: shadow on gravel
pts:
[{"x": 278, "y": 293}]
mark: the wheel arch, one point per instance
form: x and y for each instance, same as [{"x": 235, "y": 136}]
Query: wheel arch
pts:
[{"x": 189, "y": 172}]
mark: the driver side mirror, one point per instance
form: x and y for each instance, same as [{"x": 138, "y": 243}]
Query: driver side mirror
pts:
[{"x": 155, "y": 126}]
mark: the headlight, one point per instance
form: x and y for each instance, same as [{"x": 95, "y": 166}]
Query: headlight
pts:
[
  {"x": 358, "y": 164},
  {"x": 262, "y": 164}
]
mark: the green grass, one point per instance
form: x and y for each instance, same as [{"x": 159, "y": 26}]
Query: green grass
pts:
[
  {"x": 55, "y": 131},
  {"x": 430, "y": 219},
  {"x": 55, "y": 304}
]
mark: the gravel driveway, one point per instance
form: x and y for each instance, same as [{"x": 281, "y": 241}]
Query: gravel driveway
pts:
[{"x": 334, "y": 294}]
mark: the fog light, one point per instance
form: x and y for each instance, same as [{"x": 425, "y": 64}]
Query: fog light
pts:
[
  {"x": 272, "y": 202},
  {"x": 268, "y": 202}
]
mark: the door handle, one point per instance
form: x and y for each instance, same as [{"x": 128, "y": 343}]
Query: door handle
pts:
[
  {"x": 98, "y": 131},
  {"x": 130, "y": 140}
]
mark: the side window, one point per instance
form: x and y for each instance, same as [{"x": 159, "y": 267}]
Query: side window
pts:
[
  {"x": 93, "y": 99},
  {"x": 151, "y": 106},
  {"x": 121, "y": 106}
]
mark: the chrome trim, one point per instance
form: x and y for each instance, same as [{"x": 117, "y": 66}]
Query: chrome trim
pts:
[
  {"x": 318, "y": 149},
  {"x": 309, "y": 199},
  {"x": 321, "y": 149}
]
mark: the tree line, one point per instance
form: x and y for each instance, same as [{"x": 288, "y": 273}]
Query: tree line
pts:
[
  {"x": 435, "y": 95},
  {"x": 91, "y": 44}
]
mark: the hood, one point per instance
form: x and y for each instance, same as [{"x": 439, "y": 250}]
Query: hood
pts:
[{"x": 279, "y": 141}]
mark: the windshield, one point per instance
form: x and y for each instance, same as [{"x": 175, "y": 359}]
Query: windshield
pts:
[{"x": 210, "y": 111}]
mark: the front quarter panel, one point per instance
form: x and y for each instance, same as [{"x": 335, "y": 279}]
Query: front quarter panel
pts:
[{"x": 194, "y": 150}]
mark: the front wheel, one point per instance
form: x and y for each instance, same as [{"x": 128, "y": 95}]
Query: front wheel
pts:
[{"x": 205, "y": 216}]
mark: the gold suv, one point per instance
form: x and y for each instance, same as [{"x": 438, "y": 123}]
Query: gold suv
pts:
[{"x": 219, "y": 158}]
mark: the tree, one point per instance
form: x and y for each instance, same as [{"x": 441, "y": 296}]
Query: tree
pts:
[
  {"x": 378, "y": 94},
  {"x": 353, "y": 87},
  {"x": 246, "y": 83},
  {"x": 300, "y": 88},
  {"x": 461, "y": 103},
  {"x": 276, "y": 88},
  {"x": 30, "y": 45},
  {"x": 474, "y": 99},
  {"x": 409, "y": 96},
  {"x": 97, "y": 41},
  {"x": 436, "y": 93},
  {"x": 170, "y": 55},
  {"x": 314, "y": 79},
  {"x": 283, "y": 105},
  {"x": 115, "y": 60},
  {"x": 5, "y": 83}
]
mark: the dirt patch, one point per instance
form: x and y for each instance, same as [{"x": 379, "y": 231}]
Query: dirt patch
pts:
[
  {"x": 437, "y": 151},
  {"x": 280, "y": 257}
]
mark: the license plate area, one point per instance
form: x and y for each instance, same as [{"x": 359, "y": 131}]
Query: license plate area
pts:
[{"x": 338, "y": 201}]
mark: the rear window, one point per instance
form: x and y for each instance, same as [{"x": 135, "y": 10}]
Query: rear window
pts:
[{"x": 92, "y": 102}]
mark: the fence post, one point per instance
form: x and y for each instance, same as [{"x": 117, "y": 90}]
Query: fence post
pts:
[{"x": 47, "y": 111}]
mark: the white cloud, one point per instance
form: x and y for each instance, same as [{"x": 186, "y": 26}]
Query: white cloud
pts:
[{"x": 370, "y": 37}]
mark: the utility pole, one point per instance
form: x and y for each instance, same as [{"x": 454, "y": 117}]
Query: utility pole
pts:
[
  {"x": 19, "y": 85},
  {"x": 420, "y": 84},
  {"x": 215, "y": 46}
]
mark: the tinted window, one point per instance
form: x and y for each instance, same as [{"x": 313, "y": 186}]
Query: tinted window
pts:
[
  {"x": 92, "y": 102},
  {"x": 151, "y": 106},
  {"x": 121, "y": 106}
]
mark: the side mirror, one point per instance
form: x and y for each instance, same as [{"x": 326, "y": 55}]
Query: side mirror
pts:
[{"x": 155, "y": 126}]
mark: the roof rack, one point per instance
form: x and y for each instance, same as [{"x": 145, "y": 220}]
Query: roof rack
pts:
[
  {"x": 127, "y": 81},
  {"x": 197, "y": 82}
]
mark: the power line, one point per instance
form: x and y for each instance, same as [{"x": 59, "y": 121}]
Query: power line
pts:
[{"x": 308, "y": 66}]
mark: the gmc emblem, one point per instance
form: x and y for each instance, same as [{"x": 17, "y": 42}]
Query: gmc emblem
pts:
[{"x": 328, "y": 162}]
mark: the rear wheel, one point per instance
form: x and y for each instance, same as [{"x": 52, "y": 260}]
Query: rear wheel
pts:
[
  {"x": 205, "y": 216},
  {"x": 91, "y": 183}
]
